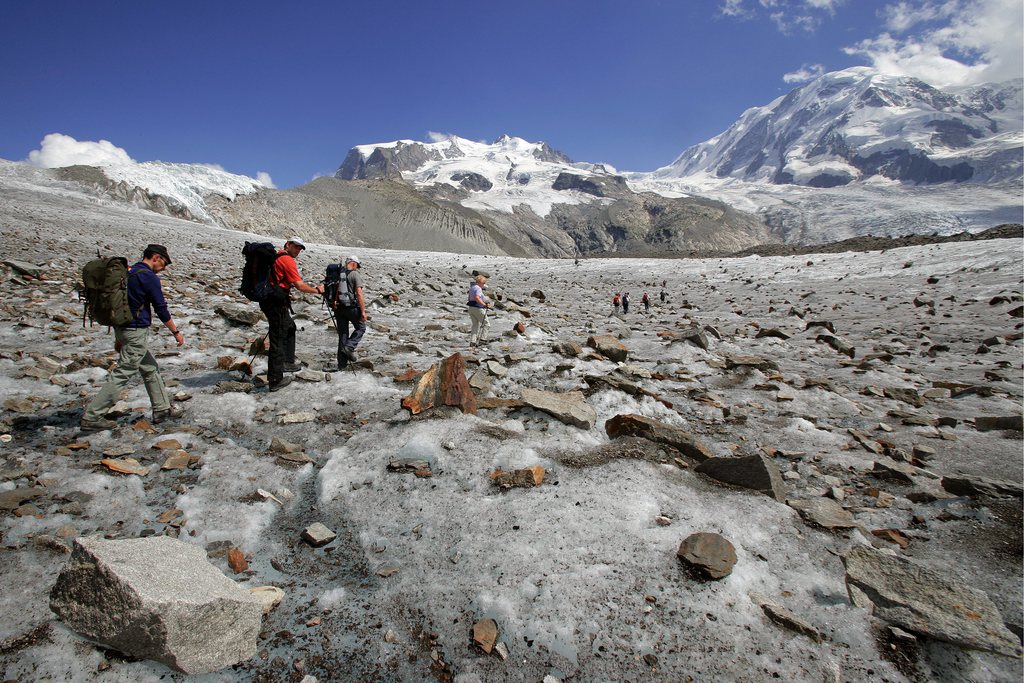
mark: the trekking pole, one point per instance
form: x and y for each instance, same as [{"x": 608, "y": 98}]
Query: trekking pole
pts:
[{"x": 262, "y": 342}]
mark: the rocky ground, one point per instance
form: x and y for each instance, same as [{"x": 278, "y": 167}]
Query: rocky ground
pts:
[{"x": 848, "y": 424}]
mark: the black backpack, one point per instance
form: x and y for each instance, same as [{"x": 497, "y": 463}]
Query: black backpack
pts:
[
  {"x": 337, "y": 292},
  {"x": 259, "y": 264}
]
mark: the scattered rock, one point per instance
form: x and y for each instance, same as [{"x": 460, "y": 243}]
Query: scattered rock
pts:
[
  {"x": 125, "y": 466},
  {"x": 709, "y": 556},
  {"x": 755, "y": 472},
  {"x": 526, "y": 477},
  {"x": 609, "y": 347},
  {"x": 269, "y": 597},
  {"x": 1007, "y": 422},
  {"x": 485, "y": 633},
  {"x": 911, "y": 596},
  {"x": 824, "y": 512},
  {"x": 659, "y": 432},
  {"x": 980, "y": 486},
  {"x": 246, "y": 317},
  {"x": 317, "y": 535},
  {"x": 570, "y": 407},
  {"x": 442, "y": 385}
]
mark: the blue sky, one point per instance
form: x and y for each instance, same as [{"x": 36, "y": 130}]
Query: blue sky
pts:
[{"x": 287, "y": 89}]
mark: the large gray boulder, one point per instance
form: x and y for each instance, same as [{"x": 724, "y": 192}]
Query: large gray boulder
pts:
[
  {"x": 157, "y": 598},
  {"x": 921, "y": 600}
]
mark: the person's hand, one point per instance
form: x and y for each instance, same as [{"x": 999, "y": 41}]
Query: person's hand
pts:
[{"x": 179, "y": 337}]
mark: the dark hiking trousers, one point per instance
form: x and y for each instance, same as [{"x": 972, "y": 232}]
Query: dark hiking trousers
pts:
[
  {"x": 346, "y": 340},
  {"x": 282, "y": 339}
]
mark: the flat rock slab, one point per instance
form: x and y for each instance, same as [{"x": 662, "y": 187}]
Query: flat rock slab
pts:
[
  {"x": 980, "y": 486},
  {"x": 570, "y": 407},
  {"x": 238, "y": 315},
  {"x": 157, "y": 598},
  {"x": 317, "y": 534},
  {"x": 609, "y": 347},
  {"x": 824, "y": 512},
  {"x": 710, "y": 556},
  {"x": 756, "y": 472},
  {"x": 918, "y": 599},
  {"x": 659, "y": 432}
]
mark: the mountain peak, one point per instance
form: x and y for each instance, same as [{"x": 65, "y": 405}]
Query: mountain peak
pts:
[{"x": 855, "y": 124}]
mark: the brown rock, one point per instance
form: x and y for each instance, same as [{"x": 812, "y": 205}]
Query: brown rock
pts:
[
  {"x": 709, "y": 556},
  {"x": 609, "y": 346},
  {"x": 442, "y": 385},
  {"x": 756, "y": 472},
  {"x": 178, "y": 460},
  {"x": 659, "y": 432},
  {"x": 485, "y": 633},
  {"x": 237, "y": 561}
]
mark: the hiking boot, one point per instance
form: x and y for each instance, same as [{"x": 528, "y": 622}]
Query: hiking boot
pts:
[
  {"x": 350, "y": 353},
  {"x": 99, "y": 424},
  {"x": 292, "y": 367},
  {"x": 282, "y": 384},
  {"x": 171, "y": 413}
]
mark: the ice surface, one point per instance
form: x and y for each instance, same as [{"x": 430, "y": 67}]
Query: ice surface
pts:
[{"x": 581, "y": 579}]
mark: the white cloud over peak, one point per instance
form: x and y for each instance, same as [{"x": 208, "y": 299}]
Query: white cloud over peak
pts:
[
  {"x": 264, "y": 179},
  {"x": 58, "y": 150},
  {"x": 960, "y": 42},
  {"x": 434, "y": 136},
  {"x": 807, "y": 72}
]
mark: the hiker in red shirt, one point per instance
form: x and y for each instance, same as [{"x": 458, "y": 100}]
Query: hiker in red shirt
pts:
[{"x": 285, "y": 275}]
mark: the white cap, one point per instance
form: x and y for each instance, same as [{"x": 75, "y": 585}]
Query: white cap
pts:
[
  {"x": 298, "y": 241},
  {"x": 353, "y": 259}
]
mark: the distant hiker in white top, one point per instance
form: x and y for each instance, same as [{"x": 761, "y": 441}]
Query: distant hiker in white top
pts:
[{"x": 478, "y": 305}]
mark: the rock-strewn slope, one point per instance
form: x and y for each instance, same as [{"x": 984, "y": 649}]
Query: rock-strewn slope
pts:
[{"x": 861, "y": 408}]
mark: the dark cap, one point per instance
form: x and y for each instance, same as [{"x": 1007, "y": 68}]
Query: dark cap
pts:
[{"x": 157, "y": 249}]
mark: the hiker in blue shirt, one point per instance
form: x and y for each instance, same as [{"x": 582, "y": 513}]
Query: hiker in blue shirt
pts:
[{"x": 145, "y": 295}]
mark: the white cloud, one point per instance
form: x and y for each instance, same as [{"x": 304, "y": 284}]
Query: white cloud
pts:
[
  {"x": 434, "y": 136},
  {"x": 264, "y": 179},
  {"x": 58, "y": 150},
  {"x": 789, "y": 16},
  {"x": 734, "y": 9},
  {"x": 961, "y": 42},
  {"x": 807, "y": 72}
]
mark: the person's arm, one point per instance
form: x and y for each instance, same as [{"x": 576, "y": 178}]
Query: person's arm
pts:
[
  {"x": 156, "y": 295},
  {"x": 362, "y": 303},
  {"x": 307, "y": 289}
]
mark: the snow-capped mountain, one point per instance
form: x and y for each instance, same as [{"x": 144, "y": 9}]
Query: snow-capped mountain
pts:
[
  {"x": 498, "y": 176},
  {"x": 543, "y": 203},
  {"x": 856, "y": 124},
  {"x": 173, "y": 189}
]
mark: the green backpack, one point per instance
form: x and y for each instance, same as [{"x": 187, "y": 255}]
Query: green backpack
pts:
[{"x": 105, "y": 291}]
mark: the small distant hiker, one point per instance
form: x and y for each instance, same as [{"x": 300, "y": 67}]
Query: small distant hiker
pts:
[
  {"x": 663, "y": 296},
  {"x": 277, "y": 308},
  {"x": 646, "y": 301},
  {"x": 350, "y": 311},
  {"x": 478, "y": 305},
  {"x": 625, "y": 302},
  {"x": 616, "y": 301},
  {"x": 145, "y": 295}
]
